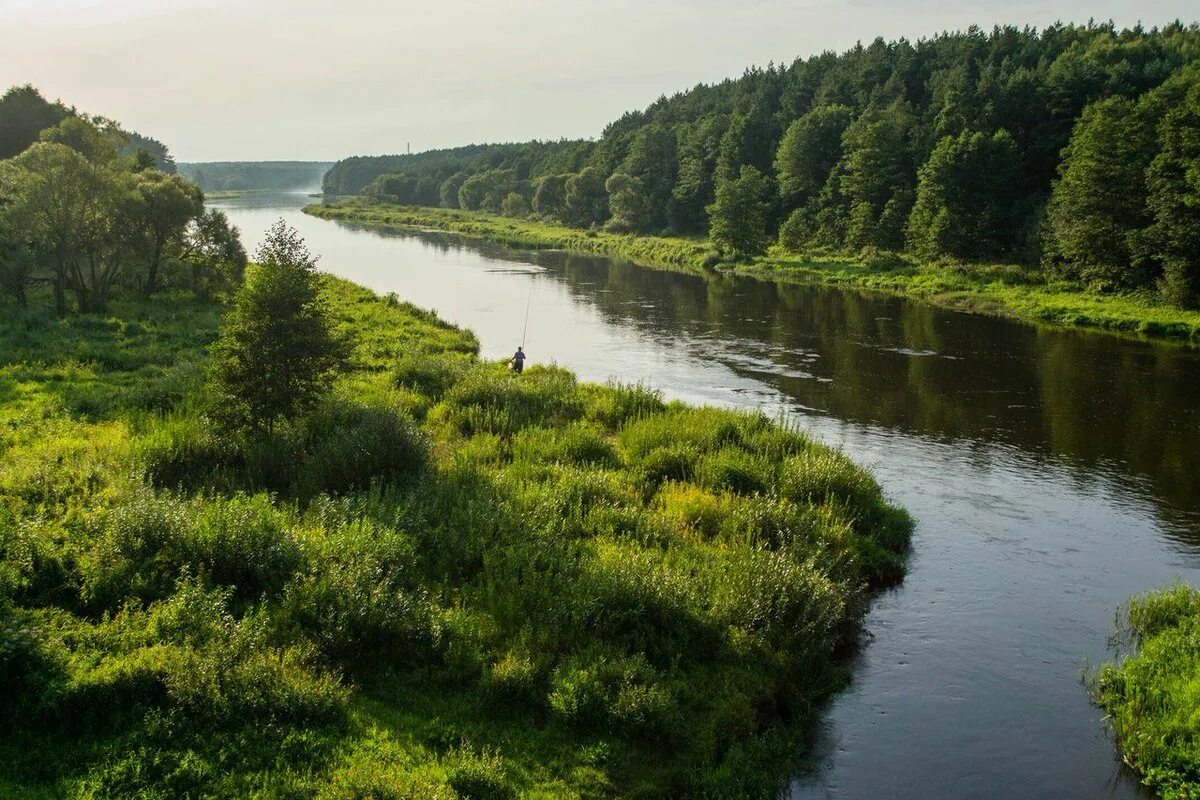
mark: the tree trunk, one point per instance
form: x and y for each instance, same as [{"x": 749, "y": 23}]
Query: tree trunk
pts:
[
  {"x": 152, "y": 273},
  {"x": 60, "y": 292}
]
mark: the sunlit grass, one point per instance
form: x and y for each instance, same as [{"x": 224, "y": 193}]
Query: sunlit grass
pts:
[{"x": 448, "y": 581}]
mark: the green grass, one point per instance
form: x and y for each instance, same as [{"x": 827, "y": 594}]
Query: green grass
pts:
[
  {"x": 1152, "y": 692},
  {"x": 449, "y": 581},
  {"x": 998, "y": 290}
]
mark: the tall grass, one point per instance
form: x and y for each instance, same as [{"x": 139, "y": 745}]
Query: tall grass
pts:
[
  {"x": 447, "y": 581},
  {"x": 1152, "y": 691}
]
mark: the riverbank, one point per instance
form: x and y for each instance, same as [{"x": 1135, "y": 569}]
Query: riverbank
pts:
[
  {"x": 1152, "y": 692},
  {"x": 450, "y": 581},
  {"x": 1007, "y": 291}
]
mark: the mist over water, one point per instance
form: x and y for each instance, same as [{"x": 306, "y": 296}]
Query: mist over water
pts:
[{"x": 1052, "y": 474}]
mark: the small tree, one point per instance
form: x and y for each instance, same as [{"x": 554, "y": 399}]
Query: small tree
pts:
[
  {"x": 739, "y": 215},
  {"x": 514, "y": 204},
  {"x": 277, "y": 351}
]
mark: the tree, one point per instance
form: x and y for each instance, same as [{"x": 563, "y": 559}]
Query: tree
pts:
[
  {"x": 810, "y": 149},
  {"x": 550, "y": 196},
  {"x": 51, "y": 188},
  {"x": 1099, "y": 198},
  {"x": 652, "y": 163},
  {"x": 698, "y": 150},
  {"x": 587, "y": 200},
  {"x": 160, "y": 208},
  {"x": 1174, "y": 202},
  {"x": 449, "y": 188},
  {"x": 739, "y": 214},
  {"x": 277, "y": 350},
  {"x": 24, "y": 114},
  {"x": 878, "y": 178},
  {"x": 628, "y": 203},
  {"x": 967, "y": 204},
  {"x": 16, "y": 262},
  {"x": 514, "y": 204},
  {"x": 214, "y": 250}
]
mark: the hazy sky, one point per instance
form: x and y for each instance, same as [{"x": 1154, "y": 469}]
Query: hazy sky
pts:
[{"x": 321, "y": 79}]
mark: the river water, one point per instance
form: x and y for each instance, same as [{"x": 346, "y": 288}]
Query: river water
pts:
[{"x": 1052, "y": 474}]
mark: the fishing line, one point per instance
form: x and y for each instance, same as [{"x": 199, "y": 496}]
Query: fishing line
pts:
[{"x": 528, "y": 302}]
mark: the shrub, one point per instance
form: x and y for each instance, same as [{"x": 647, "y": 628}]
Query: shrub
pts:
[
  {"x": 429, "y": 373},
  {"x": 492, "y": 400},
  {"x": 669, "y": 463},
  {"x": 243, "y": 543},
  {"x": 702, "y": 428},
  {"x": 348, "y": 446},
  {"x": 600, "y": 690},
  {"x": 616, "y": 404},
  {"x": 819, "y": 476},
  {"x": 177, "y": 451},
  {"x": 479, "y": 775},
  {"x": 360, "y": 596},
  {"x": 734, "y": 470},
  {"x": 693, "y": 509},
  {"x": 578, "y": 444}
]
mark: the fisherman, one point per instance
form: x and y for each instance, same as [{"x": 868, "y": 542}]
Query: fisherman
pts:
[{"x": 518, "y": 361}]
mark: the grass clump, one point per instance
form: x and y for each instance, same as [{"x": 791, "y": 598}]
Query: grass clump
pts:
[
  {"x": 1152, "y": 691},
  {"x": 442, "y": 580}
]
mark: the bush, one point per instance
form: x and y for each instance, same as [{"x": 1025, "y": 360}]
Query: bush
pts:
[
  {"x": 479, "y": 775},
  {"x": 491, "y": 400},
  {"x": 734, "y": 470},
  {"x": 348, "y": 446},
  {"x": 616, "y": 404},
  {"x": 578, "y": 444},
  {"x": 599, "y": 690},
  {"x": 429, "y": 373},
  {"x": 669, "y": 463},
  {"x": 360, "y": 597},
  {"x": 821, "y": 476}
]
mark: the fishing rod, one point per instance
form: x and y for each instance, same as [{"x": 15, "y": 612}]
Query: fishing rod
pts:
[{"x": 528, "y": 302}]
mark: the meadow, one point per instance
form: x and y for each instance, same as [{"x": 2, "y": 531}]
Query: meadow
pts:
[
  {"x": 448, "y": 581},
  {"x": 995, "y": 289}
]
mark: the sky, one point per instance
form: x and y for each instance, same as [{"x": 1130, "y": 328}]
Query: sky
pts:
[{"x": 324, "y": 79}]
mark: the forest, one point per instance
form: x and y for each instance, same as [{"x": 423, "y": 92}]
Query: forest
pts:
[
  {"x": 1070, "y": 151},
  {"x": 238, "y": 176}
]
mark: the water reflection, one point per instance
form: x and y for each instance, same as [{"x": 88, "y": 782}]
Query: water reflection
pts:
[{"x": 1052, "y": 473}]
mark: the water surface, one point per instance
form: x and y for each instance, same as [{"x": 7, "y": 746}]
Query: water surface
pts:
[{"x": 1052, "y": 473}]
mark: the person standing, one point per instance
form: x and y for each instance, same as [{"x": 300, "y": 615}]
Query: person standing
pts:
[{"x": 518, "y": 361}]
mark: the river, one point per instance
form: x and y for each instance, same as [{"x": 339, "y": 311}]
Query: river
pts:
[{"x": 1052, "y": 474}]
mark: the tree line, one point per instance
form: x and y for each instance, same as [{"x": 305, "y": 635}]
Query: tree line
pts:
[
  {"x": 87, "y": 208},
  {"x": 216, "y": 176},
  {"x": 1071, "y": 149}
]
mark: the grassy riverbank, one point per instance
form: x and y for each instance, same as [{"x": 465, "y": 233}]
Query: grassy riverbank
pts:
[
  {"x": 997, "y": 290},
  {"x": 448, "y": 582},
  {"x": 1152, "y": 693}
]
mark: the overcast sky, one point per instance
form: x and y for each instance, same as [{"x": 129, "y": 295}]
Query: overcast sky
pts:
[{"x": 322, "y": 79}]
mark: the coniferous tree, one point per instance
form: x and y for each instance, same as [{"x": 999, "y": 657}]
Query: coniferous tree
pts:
[
  {"x": 1099, "y": 199},
  {"x": 277, "y": 350}
]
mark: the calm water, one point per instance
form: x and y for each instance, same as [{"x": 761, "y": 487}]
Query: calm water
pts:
[{"x": 1052, "y": 473}]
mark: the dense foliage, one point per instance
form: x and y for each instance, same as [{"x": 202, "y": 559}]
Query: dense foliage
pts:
[
  {"x": 85, "y": 207},
  {"x": 445, "y": 580},
  {"x": 1153, "y": 691},
  {"x": 1072, "y": 148},
  {"x": 224, "y": 176}
]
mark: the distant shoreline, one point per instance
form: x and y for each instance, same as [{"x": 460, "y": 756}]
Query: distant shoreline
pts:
[{"x": 994, "y": 290}]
